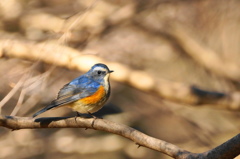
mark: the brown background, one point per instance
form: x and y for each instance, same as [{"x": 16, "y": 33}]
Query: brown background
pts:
[{"x": 137, "y": 34}]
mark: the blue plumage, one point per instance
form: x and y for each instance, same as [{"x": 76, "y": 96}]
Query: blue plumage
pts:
[{"x": 85, "y": 86}]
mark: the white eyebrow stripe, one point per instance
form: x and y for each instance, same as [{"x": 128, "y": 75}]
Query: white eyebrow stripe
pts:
[{"x": 100, "y": 69}]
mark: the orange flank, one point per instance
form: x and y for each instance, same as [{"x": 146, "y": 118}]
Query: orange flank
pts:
[{"x": 96, "y": 97}]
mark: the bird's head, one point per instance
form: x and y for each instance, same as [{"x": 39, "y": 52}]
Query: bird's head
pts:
[{"x": 99, "y": 72}]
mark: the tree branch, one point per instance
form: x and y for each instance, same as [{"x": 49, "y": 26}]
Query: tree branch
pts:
[
  {"x": 204, "y": 55},
  {"x": 61, "y": 55},
  {"x": 181, "y": 34},
  {"x": 229, "y": 149}
]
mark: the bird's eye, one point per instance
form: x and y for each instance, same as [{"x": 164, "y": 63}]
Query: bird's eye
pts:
[{"x": 99, "y": 72}]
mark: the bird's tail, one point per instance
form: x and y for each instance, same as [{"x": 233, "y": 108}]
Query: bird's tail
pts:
[{"x": 43, "y": 110}]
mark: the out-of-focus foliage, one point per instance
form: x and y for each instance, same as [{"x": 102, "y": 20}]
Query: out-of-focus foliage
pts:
[{"x": 131, "y": 33}]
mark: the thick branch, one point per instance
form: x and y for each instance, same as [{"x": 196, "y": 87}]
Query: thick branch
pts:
[
  {"x": 67, "y": 57},
  {"x": 229, "y": 149}
]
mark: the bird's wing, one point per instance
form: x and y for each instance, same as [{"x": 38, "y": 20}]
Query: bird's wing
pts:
[
  {"x": 67, "y": 91},
  {"x": 71, "y": 92},
  {"x": 75, "y": 90}
]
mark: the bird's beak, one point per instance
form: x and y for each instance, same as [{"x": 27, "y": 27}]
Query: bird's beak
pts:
[{"x": 111, "y": 71}]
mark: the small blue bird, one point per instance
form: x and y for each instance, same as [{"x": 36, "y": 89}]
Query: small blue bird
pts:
[{"x": 86, "y": 94}]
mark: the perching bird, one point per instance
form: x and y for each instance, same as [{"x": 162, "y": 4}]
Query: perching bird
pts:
[{"x": 86, "y": 94}]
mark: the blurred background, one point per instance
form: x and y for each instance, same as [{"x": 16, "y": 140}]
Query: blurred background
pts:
[{"x": 147, "y": 36}]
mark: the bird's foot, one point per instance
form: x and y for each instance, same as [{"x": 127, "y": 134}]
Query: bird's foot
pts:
[{"x": 95, "y": 117}]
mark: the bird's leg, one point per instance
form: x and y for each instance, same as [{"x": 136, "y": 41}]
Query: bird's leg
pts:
[
  {"x": 94, "y": 118},
  {"x": 78, "y": 114},
  {"x": 93, "y": 115}
]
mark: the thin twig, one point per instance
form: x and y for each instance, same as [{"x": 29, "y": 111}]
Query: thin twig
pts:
[
  {"x": 19, "y": 103},
  {"x": 67, "y": 32},
  {"x": 12, "y": 92}
]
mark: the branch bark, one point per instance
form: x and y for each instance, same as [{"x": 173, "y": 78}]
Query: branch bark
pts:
[{"x": 229, "y": 149}]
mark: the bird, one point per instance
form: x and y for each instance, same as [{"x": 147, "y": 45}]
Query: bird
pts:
[{"x": 85, "y": 94}]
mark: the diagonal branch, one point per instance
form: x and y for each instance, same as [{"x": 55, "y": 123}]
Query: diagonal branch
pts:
[
  {"x": 229, "y": 149},
  {"x": 61, "y": 55},
  {"x": 204, "y": 55}
]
